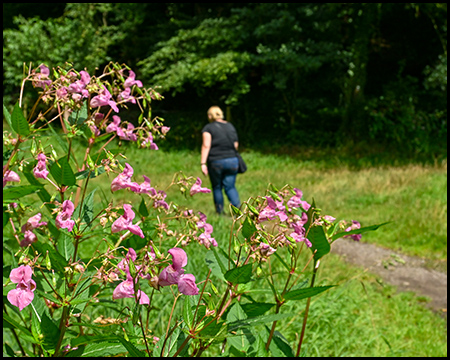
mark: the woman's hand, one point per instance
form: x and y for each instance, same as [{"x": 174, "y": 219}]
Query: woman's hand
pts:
[{"x": 204, "y": 169}]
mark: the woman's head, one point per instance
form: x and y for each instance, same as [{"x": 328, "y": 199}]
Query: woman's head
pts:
[{"x": 214, "y": 113}]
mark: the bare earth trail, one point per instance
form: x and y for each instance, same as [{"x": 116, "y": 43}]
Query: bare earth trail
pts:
[{"x": 405, "y": 272}]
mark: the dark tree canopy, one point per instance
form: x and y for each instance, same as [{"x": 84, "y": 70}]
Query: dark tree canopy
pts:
[{"x": 287, "y": 74}]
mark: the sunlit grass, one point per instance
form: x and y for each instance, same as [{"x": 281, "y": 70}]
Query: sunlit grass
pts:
[{"x": 412, "y": 197}]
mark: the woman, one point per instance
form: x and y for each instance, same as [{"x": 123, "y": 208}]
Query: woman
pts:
[{"x": 218, "y": 157}]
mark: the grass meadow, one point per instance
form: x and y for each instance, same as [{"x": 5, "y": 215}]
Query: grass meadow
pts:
[{"x": 362, "y": 316}]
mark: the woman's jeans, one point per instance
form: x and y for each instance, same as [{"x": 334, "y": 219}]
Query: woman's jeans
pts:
[{"x": 222, "y": 174}]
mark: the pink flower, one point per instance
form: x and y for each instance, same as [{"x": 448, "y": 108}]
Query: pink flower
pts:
[
  {"x": 186, "y": 285},
  {"x": 174, "y": 274},
  {"x": 33, "y": 223},
  {"x": 40, "y": 171},
  {"x": 296, "y": 201},
  {"x": 23, "y": 294},
  {"x": 205, "y": 237},
  {"x": 128, "y": 133},
  {"x": 130, "y": 81},
  {"x": 125, "y": 222},
  {"x": 114, "y": 126},
  {"x": 126, "y": 290},
  {"x": 159, "y": 200},
  {"x": 123, "y": 180},
  {"x": 126, "y": 96},
  {"x": 196, "y": 188},
  {"x": 145, "y": 187},
  {"x": 29, "y": 238},
  {"x": 149, "y": 140},
  {"x": 61, "y": 93},
  {"x": 103, "y": 99},
  {"x": 123, "y": 264},
  {"x": 45, "y": 73},
  {"x": 165, "y": 130},
  {"x": 299, "y": 233},
  {"x": 273, "y": 209},
  {"x": 355, "y": 225},
  {"x": 63, "y": 220},
  {"x": 266, "y": 249},
  {"x": 10, "y": 176}
]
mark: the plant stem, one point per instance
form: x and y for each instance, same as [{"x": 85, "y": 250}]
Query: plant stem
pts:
[
  {"x": 305, "y": 317},
  {"x": 62, "y": 329},
  {"x": 182, "y": 346},
  {"x": 143, "y": 334},
  {"x": 274, "y": 324}
]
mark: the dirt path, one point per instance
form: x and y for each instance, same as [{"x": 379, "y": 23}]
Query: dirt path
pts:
[{"x": 405, "y": 272}]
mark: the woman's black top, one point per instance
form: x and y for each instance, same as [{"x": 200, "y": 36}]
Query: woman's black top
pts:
[{"x": 223, "y": 136}]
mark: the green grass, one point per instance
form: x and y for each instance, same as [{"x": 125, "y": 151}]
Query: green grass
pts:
[
  {"x": 360, "y": 317},
  {"x": 412, "y": 197}
]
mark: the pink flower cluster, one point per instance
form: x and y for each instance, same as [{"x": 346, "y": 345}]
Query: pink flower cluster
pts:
[
  {"x": 104, "y": 98},
  {"x": 27, "y": 229},
  {"x": 205, "y": 237},
  {"x": 126, "y": 289},
  {"x": 174, "y": 274},
  {"x": 123, "y": 181},
  {"x": 124, "y": 134},
  {"x": 276, "y": 209},
  {"x": 23, "y": 294},
  {"x": 197, "y": 188},
  {"x": 355, "y": 225},
  {"x": 40, "y": 78}
]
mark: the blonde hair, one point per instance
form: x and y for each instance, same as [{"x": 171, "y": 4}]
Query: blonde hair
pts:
[{"x": 214, "y": 113}]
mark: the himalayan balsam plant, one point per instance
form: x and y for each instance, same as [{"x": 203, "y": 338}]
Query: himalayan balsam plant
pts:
[{"x": 124, "y": 299}]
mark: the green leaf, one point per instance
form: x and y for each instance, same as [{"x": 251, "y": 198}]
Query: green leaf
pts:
[
  {"x": 143, "y": 208},
  {"x": 78, "y": 117},
  {"x": 256, "y": 309},
  {"x": 248, "y": 228},
  {"x": 65, "y": 245},
  {"x": 132, "y": 350},
  {"x": 7, "y": 116},
  {"x": 301, "y": 294},
  {"x": 103, "y": 349},
  {"x": 319, "y": 242},
  {"x": 10, "y": 322},
  {"x": 188, "y": 313},
  {"x": 239, "y": 275},
  {"x": 5, "y": 217},
  {"x": 216, "y": 261},
  {"x": 87, "y": 213},
  {"x": 18, "y": 121},
  {"x": 51, "y": 334},
  {"x": 62, "y": 172},
  {"x": 9, "y": 350},
  {"x": 358, "y": 231},
  {"x": 282, "y": 344},
  {"x": 17, "y": 192}
]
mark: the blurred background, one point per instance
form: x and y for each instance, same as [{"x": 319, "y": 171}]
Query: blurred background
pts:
[{"x": 353, "y": 78}]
